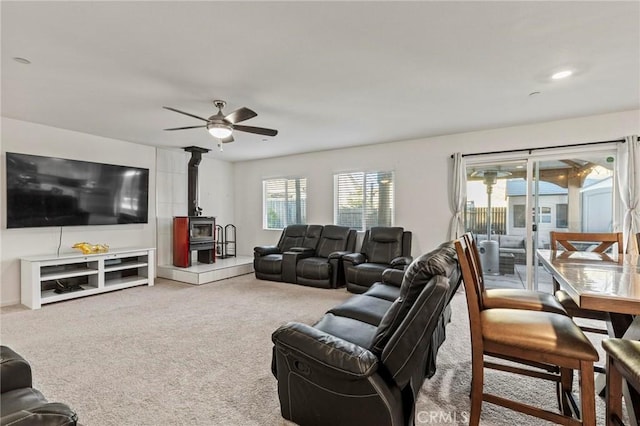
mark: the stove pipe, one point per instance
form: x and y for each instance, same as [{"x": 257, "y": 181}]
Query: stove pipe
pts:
[{"x": 192, "y": 179}]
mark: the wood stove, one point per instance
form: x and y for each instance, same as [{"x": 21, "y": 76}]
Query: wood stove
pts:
[{"x": 193, "y": 233}]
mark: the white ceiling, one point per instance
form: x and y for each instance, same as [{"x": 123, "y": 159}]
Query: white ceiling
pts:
[{"x": 325, "y": 74}]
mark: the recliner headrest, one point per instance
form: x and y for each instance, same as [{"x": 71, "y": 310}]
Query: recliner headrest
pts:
[
  {"x": 386, "y": 234},
  {"x": 295, "y": 230},
  {"x": 334, "y": 232}
]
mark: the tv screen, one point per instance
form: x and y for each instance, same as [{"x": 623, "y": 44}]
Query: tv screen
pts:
[{"x": 46, "y": 191}]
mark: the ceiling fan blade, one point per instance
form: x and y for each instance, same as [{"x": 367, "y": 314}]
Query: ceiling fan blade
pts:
[
  {"x": 257, "y": 130},
  {"x": 239, "y": 115},
  {"x": 227, "y": 139},
  {"x": 188, "y": 127},
  {"x": 185, "y": 113}
]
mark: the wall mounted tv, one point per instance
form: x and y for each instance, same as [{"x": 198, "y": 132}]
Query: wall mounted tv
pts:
[{"x": 46, "y": 191}]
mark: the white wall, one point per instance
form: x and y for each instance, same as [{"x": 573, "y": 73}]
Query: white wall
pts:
[
  {"x": 30, "y": 138},
  {"x": 422, "y": 170},
  {"x": 172, "y": 198},
  {"x": 216, "y": 194},
  {"x": 233, "y": 192}
]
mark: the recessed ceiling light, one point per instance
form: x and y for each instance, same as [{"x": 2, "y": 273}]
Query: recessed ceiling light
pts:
[
  {"x": 561, "y": 74},
  {"x": 22, "y": 60}
]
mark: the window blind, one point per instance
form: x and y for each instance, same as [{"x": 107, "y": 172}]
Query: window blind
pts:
[
  {"x": 285, "y": 202},
  {"x": 364, "y": 199}
]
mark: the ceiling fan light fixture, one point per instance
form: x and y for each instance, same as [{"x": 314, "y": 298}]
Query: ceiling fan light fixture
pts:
[{"x": 219, "y": 131}]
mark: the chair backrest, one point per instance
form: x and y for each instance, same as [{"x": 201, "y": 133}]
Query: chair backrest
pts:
[
  {"x": 476, "y": 265},
  {"x": 404, "y": 333},
  {"x": 472, "y": 289},
  {"x": 382, "y": 244},
  {"x": 312, "y": 236},
  {"x": 334, "y": 238},
  {"x": 292, "y": 236},
  {"x": 604, "y": 240}
]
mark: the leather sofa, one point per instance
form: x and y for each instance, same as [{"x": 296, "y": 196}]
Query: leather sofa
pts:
[
  {"x": 306, "y": 254},
  {"x": 322, "y": 267},
  {"x": 365, "y": 361},
  {"x": 268, "y": 260},
  {"x": 382, "y": 248},
  {"x": 20, "y": 403}
]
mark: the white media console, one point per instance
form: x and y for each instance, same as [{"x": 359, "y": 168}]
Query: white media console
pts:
[{"x": 94, "y": 273}]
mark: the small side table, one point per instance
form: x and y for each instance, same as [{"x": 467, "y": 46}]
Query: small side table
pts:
[{"x": 507, "y": 263}]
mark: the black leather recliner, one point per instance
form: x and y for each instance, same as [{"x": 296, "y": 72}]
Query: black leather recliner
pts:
[
  {"x": 20, "y": 403},
  {"x": 323, "y": 267},
  {"x": 364, "y": 361},
  {"x": 382, "y": 248},
  {"x": 268, "y": 260}
]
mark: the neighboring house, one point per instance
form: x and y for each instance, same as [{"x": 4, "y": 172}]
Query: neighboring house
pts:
[{"x": 595, "y": 204}]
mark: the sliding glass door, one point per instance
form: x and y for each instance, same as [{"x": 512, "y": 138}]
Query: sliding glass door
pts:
[
  {"x": 572, "y": 194},
  {"x": 514, "y": 204},
  {"x": 491, "y": 188}
]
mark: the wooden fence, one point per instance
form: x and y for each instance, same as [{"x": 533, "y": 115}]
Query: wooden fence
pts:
[{"x": 476, "y": 220}]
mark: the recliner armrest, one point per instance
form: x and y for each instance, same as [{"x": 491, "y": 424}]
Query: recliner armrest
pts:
[
  {"x": 265, "y": 250},
  {"x": 401, "y": 262},
  {"x": 15, "y": 371},
  {"x": 393, "y": 277},
  {"x": 325, "y": 351},
  {"x": 305, "y": 250},
  {"x": 338, "y": 254},
  {"x": 48, "y": 414},
  {"x": 355, "y": 258}
]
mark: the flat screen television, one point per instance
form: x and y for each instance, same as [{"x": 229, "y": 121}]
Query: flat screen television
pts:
[{"x": 47, "y": 191}]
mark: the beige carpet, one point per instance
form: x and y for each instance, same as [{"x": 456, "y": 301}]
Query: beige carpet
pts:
[{"x": 176, "y": 354}]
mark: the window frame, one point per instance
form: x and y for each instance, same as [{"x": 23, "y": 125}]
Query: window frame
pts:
[
  {"x": 365, "y": 174},
  {"x": 303, "y": 204}
]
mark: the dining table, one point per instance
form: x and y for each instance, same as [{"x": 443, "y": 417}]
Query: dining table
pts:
[{"x": 606, "y": 282}]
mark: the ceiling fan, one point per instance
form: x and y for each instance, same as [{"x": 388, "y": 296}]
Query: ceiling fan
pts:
[{"x": 222, "y": 126}]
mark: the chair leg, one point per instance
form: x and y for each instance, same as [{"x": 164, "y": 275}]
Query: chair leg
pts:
[
  {"x": 477, "y": 383},
  {"x": 563, "y": 390},
  {"x": 614, "y": 393},
  {"x": 587, "y": 393}
]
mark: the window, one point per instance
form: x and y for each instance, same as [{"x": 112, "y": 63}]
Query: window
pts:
[
  {"x": 544, "y": 214},
  {"x": 285, "y": 202},
  {"x": 562, "y": 215},
  {"x": 364, "y": 199},
  {"x": 519, "y": 218}
]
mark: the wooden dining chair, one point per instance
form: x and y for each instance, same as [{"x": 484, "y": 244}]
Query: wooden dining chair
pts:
[
  {"x": 525, "y": 337},
  {"x": 513, "y": 298},
  {"x": 566, "y": 241},
  {"x": 623, "y": 362}
]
